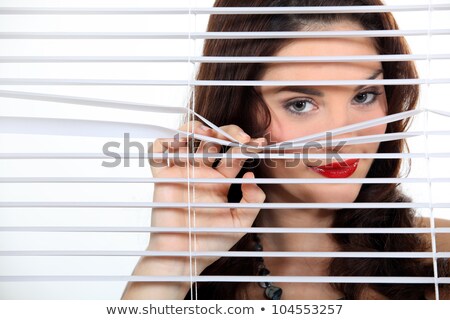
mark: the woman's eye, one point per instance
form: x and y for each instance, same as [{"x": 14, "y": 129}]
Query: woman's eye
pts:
[
  {"x": 366, "y": 97},
  {"x": 300, "y": 106}
]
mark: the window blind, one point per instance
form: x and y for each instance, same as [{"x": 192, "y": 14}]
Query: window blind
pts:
[{"x": 75, "y": 77}]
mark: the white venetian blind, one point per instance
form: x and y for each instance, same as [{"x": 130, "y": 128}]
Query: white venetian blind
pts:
[{"x": 79, "y": 74}]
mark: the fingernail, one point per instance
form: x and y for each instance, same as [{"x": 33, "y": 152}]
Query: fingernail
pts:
[
  {"x": 204, "y": 128},
  {"x": 261, "y": 140}
]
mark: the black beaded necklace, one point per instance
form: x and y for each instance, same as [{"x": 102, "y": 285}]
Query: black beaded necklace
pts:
[{"x": 271, "y": 292}]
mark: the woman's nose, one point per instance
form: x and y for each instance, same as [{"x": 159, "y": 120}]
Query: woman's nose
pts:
[{"x": 339, "y": 116}]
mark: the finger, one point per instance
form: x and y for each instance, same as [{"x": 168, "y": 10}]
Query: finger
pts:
[
  {"x": 182, "y": 158},
  {"x": 229, "y": 131},
  {"x": 230, "y": 165},
  {"x": 165, "y": 153},
  {"x": 234, "y": 131},
  {"x": 177, "y": 144},
  {"x": 207, "y": 148},
  {"x": 159, "y": 146},
  {"x": 195, "y": 127},
  {"x": 202, "y": 148},
  {"x": 251, "y": 193}
]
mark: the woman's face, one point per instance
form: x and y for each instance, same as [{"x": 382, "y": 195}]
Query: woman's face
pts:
[{"x": 301, "y": 111}]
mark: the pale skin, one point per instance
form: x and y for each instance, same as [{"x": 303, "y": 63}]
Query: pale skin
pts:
[{"x": 295, "y": 112}]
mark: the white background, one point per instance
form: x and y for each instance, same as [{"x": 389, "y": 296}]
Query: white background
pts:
[{"x": 435, "y": 97}]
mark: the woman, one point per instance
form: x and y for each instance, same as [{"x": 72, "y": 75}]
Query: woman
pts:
[{"x": 269, "y": 114}]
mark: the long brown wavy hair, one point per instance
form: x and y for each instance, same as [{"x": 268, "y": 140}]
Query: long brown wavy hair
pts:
[{"x": 244, "y": 107}]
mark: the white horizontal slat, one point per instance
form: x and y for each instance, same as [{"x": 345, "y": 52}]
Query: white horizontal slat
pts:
[
  {"x": 113, "y": 104},
  {"x": 284, "y": 205},
  {"x": 222, "y": 181},
  {"x": 125, "y": 82},
  {"x": 193, "y": 278},
  {"x": 222, "y": 10},
  {"x": 222, "y": 35},
  {"x": 211, "y": 59},
  {"x": 30, "y": 156},
  {"x": 198, "y": 254},
  {"x": 85, "y": 128},
  {"x": 198, "y": 230},
  {"x": 95, "y": 128}
]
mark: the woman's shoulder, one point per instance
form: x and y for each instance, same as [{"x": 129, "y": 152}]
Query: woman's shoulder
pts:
[{"x": 442, "y": 239}]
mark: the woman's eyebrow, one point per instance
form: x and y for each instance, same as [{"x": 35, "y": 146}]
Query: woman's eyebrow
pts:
[
  {"x": 318, "y": 93},
  {"x": 372, "y": 77},
  {"x": 375, "y": 74},
  {"x": 304, "y": 90}
]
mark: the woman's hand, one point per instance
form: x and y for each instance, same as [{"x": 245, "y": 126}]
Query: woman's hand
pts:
[
  {"x": 202, "y": 193},
  {"x": 198, "y": 217}
]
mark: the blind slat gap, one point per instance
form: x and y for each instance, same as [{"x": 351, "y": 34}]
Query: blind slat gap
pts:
[
  {"x": 109, "y": 129},
  {"x": 124, "y": 105},
  {"x": 95, "y": 128}
]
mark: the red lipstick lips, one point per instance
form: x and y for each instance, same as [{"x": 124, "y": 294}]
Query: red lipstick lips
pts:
[{"x": 338, "y": 169}]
